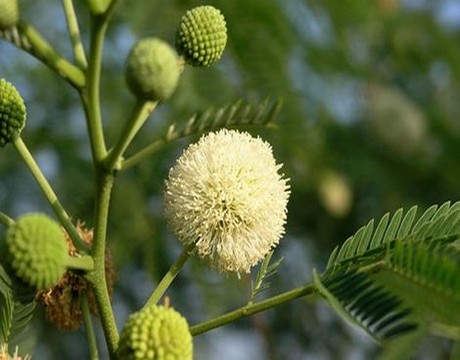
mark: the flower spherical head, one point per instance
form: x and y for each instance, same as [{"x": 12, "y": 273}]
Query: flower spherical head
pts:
[
  {"x": 201, "y": 36},
  {"x": 152, "y": 69},
  {"x": 36, "y": 250},
  {"x": 12, "y": 112},
  {"x": 9, "y": 13},
  {"x": 225, "y": 195},
  {"x": 155, "y": 333}
]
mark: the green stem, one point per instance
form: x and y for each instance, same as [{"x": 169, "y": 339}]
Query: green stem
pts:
[
  {"x": 143, "y": 154},
  {"x": 90, "y": 334},
  {"x": 254, "y": 308},
  {"x": 6, "y": 220},
  {"x": 170, "y": 276},
  {"x": 42, "y": 50},
  {"x": 140, "y": 113},
  {"x": 74, "y": 32},
  {"x": 91, "y": 103},
  {"x": 91, "y": 96},
  {"x": 97, "y": 277},
  {"x": 83, "y": 263},
  {"x": 49, "y": 194}
]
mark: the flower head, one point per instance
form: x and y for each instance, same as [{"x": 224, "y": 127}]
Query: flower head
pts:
[
  {"x": 152, "y": 69},
  {"x": 155, "y": 333},
  {"x": 225, "y": 195},
  {"x": 35, "y": 249},
  {"x": 9, "y": 13},
  {"x": 12, "y": 112},
  {"x": 201, "y": 36}
]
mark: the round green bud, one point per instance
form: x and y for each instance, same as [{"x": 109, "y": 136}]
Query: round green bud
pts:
[
  {"x": 201, "y": 36},
  {"x": 9, "y": 13},
  {"x": 12, "y": 112},
  {"x": 36, "y": 250},
  {"x": 152, "y": 69},
  {"x": 156, "y": 333}
]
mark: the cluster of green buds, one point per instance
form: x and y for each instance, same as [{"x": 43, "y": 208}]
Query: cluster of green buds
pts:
[
  {"x": 155, "y": 333},
  {"x": 153, "y": 66},
  {"x": 34, "y": 248},
  {"x": 9, "y": 13},
  {"x": 12, "y": 112}
]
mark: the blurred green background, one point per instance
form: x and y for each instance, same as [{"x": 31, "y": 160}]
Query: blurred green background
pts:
[{"x": 370, "y": 123}]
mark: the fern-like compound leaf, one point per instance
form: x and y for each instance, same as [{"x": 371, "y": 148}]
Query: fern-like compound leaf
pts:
[
  {"x": 15, "y": 36},
  {"x": 438, "y": 224},
  {"x": 235, "y": 114},
  {"x": 400, "y": 275},
  {"x": 239, "y": 113},
  {"x": 6, "y": 305},
  {"x": 266, "y": 271},
  {"x": 360, "y": 300},
  {"x": 426, "y": 277},
  {"x": 17, "y": 307}
]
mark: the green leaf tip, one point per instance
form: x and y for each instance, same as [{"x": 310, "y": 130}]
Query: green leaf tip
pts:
[{"x": 267, "y": 269}]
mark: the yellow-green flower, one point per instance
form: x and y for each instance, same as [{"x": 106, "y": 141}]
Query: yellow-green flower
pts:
[
  {"x": 225, "y": 195},
  {"x": 155, "y": 333},
  {"x": 9, "y": 13},
  {"x": 12, "y": 112},
  {"x": 152, "y": 69},
  {"x": 201, "y": 36},
  {"x": 36, "y": 250}
]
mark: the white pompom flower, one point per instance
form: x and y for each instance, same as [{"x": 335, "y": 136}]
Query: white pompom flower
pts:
[{"x": 225, "y": 195}]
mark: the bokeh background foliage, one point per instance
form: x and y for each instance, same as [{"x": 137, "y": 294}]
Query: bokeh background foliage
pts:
[{"x": 370, "y": 123}]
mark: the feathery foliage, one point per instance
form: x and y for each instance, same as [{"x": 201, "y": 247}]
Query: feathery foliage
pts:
[
  {"x": 267, "y": 269},
  {"x": 425, "y": 276},
  {"x": 392, "y": 280},
  {"x": 235, "y": 114},
  {"x": 372, "y": 307},
  {"x": 238, "y": 113},
  {"x": 16, "y": 309},
  {"x": 438, "y": 224},
  {"x": 15, "y": 36},
  {"x": 5, "y": 305}
]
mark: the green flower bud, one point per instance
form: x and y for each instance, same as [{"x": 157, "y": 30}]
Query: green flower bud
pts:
[
  {"x": 12, "y": 111},
  {"x": 156, "y": 333},
  {"x": 9, "y": 13},
  {"x": 36, "y": 250},
  {"x": 152, "y": 69},
  {"x": 201, "y": 36}
]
